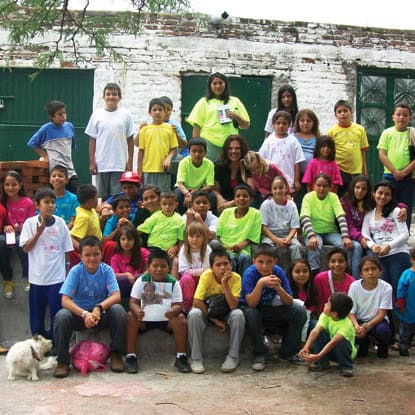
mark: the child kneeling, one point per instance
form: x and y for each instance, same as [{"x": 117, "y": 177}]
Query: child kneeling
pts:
[
  {"x": 333, "y": 338},
  {"x": 144, "y": 294}
]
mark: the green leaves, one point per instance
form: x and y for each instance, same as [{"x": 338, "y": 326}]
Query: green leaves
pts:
[{"x": 55, "y": 30}]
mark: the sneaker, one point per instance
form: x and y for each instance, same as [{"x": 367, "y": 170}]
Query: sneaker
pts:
[
  {"x": 259, "y": 363},
  {"x": 27, "y": 287},
  {"x": 197, "y": 366},
  {"x": 230, "y": 364},
  {"x": 346, "y": 372},
  {"x": 8, "y": 289},
  {"x": 382, "y": 351},
  {"x": 294, "y": 359},
  {"x": 403, "y": 350},
  {"x": 131, "y": 364},
  {"x": 61, "y": 370},
  {"x": 182, "y": 365},
  {"x": 3, "y": 350},
  {"x": 319, "y": 367},
  {"x": 117, "y": 365}
]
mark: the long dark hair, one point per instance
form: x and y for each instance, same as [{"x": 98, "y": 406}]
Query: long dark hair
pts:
[
  {"x": 227, "y": 91},
  {"x": 19, "y": 179},
  {"x": 223, "y": 156},
  {"x": 368, "y": 201},
  {"x": 294, "y": 106},
  {"x": 387, "y": 209},
  {"x": 131, "y": 233},
  {"x": 309, "y": 286}
]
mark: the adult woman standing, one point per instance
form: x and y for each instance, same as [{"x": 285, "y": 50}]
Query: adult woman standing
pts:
[
  {"x": 228, "y": 170},
  {"x": 217, "y": 115}
]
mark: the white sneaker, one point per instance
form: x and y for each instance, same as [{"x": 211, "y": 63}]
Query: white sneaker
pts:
[
  {"x": 197, "y": 366},
  {"x": 259, "y": 363},
  {"x": 230, "y": 364}
]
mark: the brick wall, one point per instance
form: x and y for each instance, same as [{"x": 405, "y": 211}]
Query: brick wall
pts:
[{"x": 319, "y": 60}]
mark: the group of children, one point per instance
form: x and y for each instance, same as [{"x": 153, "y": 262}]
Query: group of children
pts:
[{"x": 223, "y": 270}]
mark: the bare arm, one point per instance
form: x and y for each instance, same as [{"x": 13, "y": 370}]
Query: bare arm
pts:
[
  {"x": 40, "y": 152},
  {"x": 130, "y": 149},
  {"x": 140, "y": 162},
  {"x": 92, "y": 162},
  {"x": 196, "y": 131}
]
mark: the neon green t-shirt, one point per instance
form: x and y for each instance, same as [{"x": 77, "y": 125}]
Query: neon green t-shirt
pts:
[
  {"x": 322, "y": 213},
  {"x": 156, "y": 140},
  {"x": 163, "y": 231},
  {"x": 196, "y": 177},
  {"x": 205, "y": 114},
  {"x": 396, "y": 145},
  {"x": 232, "y": 230},
  {"x": 343, "y": 327},
  {"x": 350, "y": 142}
]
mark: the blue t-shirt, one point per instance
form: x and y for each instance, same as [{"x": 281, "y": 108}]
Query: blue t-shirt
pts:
[
  {"x": 87, "y": 289},
  {"x": 66, "y": 205},
  {"x": 406, "y": 290},
  {"x": 269, "y": 296},
  {"x": 112, "y": 223},
  {"x": 134, "y": 203}
]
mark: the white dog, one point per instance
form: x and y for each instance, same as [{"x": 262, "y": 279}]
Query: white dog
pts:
[{"x": 24, "y": 358}]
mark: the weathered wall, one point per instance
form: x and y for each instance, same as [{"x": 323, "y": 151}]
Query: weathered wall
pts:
[{"x": 319, "y": 60}]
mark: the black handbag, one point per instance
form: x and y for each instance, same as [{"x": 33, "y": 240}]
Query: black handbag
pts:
[{"x": 217, "y": 306}]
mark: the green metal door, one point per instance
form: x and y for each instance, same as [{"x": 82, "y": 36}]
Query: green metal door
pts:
[
  {"x": 22, "y": 110},
  {"x": 253, "y": 91},
  {"x": 378, "y": 91}
]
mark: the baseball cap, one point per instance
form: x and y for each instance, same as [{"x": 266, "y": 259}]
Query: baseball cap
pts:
[{"x": 130, "y": 177}]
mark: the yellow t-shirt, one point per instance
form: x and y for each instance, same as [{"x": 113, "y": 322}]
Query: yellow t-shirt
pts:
[
  {"x": 208, "y": 285},
  {"x": 156, "y": 140},
  {"x": 86, "y": 223},
  {"x": 350, "y": 142}
]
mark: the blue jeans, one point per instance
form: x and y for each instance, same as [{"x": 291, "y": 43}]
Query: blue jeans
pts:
[
  {"x": 393, "y": 266},
  {"x": 240, "y": 262},
  {"x": 341, "y": 353},
  {"x": 291, "y": 318},
  {"x": 354, "y": 256},
  {"x": 404, "y": 193},
  {"x": 40, "y": 297},
  {"x": 406, "y": 332}
]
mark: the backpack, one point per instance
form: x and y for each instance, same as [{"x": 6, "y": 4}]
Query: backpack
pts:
[{"x": 89, "y": 355}]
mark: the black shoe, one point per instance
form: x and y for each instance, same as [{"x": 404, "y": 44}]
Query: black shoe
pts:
[
  {"x": 403, "y": 350},
  {"x": 51, "y": 352},
  {"x": 131, "y": 364},
  {"x": 182, "y": 364},
  {"x": 382, "y": 351}
]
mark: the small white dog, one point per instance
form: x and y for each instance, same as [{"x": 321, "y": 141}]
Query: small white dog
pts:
[{"x": 24, "y": 358}]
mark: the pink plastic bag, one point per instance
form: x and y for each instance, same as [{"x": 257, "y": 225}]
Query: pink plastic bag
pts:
[{"x": 89, "y": 355}]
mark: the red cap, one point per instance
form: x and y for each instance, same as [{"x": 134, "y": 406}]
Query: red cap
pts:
[{"x": 130, "y": 177}]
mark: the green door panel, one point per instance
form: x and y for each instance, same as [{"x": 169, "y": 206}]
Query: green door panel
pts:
[
  {"x": 22, "y": 110},
  {"x": 253, "y": 91},
  {"x": 378, "y": 91}
]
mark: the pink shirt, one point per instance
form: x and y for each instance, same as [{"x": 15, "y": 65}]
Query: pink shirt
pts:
[
  {"x": 321, "y": 283},
  {"x": 120, "y": 263},
  {"x": 18, "y": 211},
  {"x": 302, "y": 295},
  {"x": 317, "y": 166},
  {"x": 263, "y": 183}
]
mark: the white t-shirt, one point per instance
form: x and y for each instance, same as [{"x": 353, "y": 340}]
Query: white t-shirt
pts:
[
  {"x": 47, "y": 257},
  {"x": 284, "y": 152},
  {"x": 279, "y": 219},
  {"x": 110, "y": 129},
  {"x": 211, "y": 221},
  {"x": 176, "y": 293},
  {"x": 196, "y": 262},
  {"x": 366, "y": 303}
]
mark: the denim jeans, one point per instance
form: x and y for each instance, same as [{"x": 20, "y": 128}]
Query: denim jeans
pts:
[
  {"x": 291, "y": 318},
  {"x": 341, "y": 353},
  {"x": 404, "y": 193},
  {"x": 393, "y": 266},
  {"x": 240, "y": 262},
  {"x": 406, "y": 333},
  {"x": 354, "y": 256}
]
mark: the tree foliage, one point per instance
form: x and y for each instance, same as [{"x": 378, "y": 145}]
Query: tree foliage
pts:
[{"x": 49, "y": 25}]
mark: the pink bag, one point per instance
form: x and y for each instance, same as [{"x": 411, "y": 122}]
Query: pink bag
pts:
[{"x": 89, "y": 355}]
